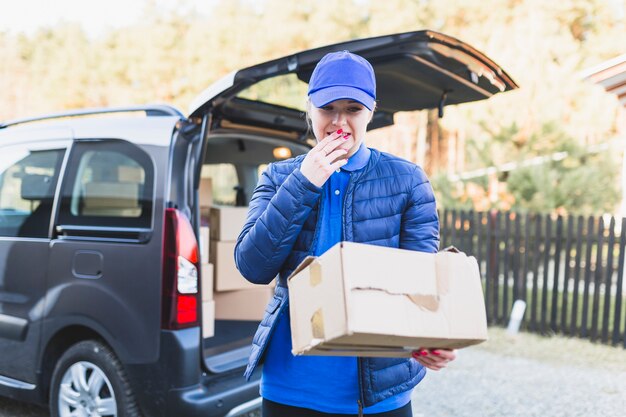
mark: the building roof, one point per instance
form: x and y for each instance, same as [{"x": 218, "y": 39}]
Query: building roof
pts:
[{"x": 611, "y": 75}]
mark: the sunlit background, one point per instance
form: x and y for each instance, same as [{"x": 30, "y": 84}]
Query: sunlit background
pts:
[{"x": 555, "y": 145}]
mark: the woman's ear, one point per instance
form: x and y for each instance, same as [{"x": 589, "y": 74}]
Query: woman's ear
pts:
[{"x": 372, "y": 113}]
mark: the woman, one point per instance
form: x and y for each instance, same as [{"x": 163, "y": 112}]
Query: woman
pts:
[{"x": 340, "y": 190}]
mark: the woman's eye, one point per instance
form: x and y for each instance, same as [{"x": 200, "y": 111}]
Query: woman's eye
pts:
[
  {"x": 327, "y": 108},
  {"x": 355, "y": 109}
]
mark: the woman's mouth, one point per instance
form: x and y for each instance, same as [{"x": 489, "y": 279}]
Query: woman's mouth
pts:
[{"x": 344, "y": 134}]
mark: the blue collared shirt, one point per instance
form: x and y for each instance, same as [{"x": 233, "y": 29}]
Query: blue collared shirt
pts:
[{"x": 324, "y": 383}]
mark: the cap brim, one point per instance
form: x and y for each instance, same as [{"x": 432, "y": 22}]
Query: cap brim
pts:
[{"x": 327, "y": 95}]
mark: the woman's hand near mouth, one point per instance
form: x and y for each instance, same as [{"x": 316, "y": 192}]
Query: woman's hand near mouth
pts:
[{"x": 325, "y": 158}]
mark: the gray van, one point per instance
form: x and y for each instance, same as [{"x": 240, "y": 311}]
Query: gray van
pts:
[{"x": 99, "y": 226}]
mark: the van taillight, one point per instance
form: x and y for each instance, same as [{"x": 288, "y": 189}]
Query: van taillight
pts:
[{"x": 180, "y": 273}]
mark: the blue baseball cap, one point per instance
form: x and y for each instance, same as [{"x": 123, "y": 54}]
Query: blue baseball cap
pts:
[{"x": 343, "y": 75}]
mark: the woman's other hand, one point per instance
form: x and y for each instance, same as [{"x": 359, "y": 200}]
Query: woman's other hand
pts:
[
  {"x": 324, "y": 159},
  {"x": 434, "y": 359}
]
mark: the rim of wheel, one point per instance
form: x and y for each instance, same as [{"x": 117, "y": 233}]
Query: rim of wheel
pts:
[{"x": 86, "y": 391}]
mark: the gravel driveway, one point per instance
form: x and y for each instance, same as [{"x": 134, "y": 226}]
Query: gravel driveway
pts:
[
  {"x": 527, "y": 376},
  {"x": 524, "y": 376}
]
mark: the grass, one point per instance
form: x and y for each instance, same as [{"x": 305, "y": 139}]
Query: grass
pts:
[{"x": 556, "y": 349}]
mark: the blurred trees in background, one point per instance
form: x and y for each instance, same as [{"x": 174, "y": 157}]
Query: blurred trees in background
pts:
[{"x": 171, "y": 57}]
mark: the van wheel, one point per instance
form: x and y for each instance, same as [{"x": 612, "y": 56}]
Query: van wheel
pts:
[{"x": 89, "y": 380}]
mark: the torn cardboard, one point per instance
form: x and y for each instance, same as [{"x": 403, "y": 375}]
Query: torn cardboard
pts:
[{"x": 365, "y": 300}]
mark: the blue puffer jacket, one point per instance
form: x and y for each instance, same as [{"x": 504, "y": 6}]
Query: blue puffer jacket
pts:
[{"x": 388, "y": 203}]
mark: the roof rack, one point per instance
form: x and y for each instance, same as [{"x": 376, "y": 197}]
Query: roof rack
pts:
[{"x": 150, "y": 110}]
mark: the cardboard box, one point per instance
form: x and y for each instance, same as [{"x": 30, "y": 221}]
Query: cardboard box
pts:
[
  {"x": 364, "y": 300},
  {"x": 205, "y": 215},
  {"x": 242, "y": 304},
  {"x": 205, "y": 192},
  {"x": 207, "y": 281},
  {"x": 225, "y": 274},
  {"x": 226, "y": 222},
  {"x": 208, "y": 319},
  {"x": 130, "y": 174},
  {"x": 204, "y": 244}
]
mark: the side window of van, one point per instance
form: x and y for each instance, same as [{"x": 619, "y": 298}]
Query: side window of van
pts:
[
  {"x": 27, "y": 185},
  {"x": 109, "y": 183}
]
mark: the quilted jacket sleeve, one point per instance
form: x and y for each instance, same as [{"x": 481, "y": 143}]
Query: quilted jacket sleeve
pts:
[
  {"x": 420, "y": 222},
  {"x": 275, "y": 218}
]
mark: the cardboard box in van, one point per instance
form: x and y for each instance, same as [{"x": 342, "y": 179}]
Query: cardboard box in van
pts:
[
  {"x": 364, "y": 300},
  {"x": 207, "y": 281},
  {"x": 226, "y": 276},
  {"x": 204, "y": 244},
  {"x": 205, "y": 192},
  {"x": 242, "y": 304},
  {"x": 226, "y": 222}
]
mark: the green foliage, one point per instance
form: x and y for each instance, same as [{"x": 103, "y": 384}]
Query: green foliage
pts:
[
  {"x": 549, "y": 172},
  {"x": 450, "y": 194},
  {"x": 582, "y": 183}
]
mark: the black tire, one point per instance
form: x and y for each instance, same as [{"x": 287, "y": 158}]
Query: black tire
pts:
[{"x": 93, "y": 365}]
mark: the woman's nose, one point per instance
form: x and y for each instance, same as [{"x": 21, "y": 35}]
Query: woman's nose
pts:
[{"x": 339, "y": 119}]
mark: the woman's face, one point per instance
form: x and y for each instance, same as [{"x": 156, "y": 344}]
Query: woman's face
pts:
[{"x": 350, "y": 116}]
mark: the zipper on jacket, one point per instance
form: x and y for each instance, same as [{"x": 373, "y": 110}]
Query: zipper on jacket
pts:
[
  {"x": 343, "y": 209},
  {"x": 320, "y": 208},
  {"x": 360, "y": 400}
]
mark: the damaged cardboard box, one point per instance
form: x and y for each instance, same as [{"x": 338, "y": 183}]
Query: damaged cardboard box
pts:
[{"x": 365, "y": 300}]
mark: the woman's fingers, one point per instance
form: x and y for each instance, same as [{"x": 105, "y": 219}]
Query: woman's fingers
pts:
[
  {"x": 430, "y": 363},
  {"x": 335, "y": 155},
  {"x": 446, "y": 354},
  {"x": 338, "y": 164},
  {"x": 319, "y": 164},
  {"x": 434, "y": 359},
  {"x": 332, "y": 145},
  {"x": 324, "y": 142}
]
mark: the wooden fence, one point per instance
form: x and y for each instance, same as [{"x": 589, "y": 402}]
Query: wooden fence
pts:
[{"x": 569, "y": 270}]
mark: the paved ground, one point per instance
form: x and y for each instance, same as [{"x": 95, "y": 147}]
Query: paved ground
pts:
[{"x": 524, "y": 376}]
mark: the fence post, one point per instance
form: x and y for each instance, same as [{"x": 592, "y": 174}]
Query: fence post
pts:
[
  {"x": 574, "y": 327},
  {"x": 517, "y": 245},
  {"x": 546, "y": 274},
  {"x": 527, "y": 245},
  {"x": 608, "y": 281},
  {"x": 620, "y": 279},
  {"x": 471, "y": 231},
  {"x": 566, "y": 276},
  {"x": 588, "y": 252},
  {"x": 597, "y": 281},
  {"x": 496, "y": 270},
  {"x": 556, "y": 276},
  {"x": 536, "y": 260},
  {"x": 506, "y": 267}
]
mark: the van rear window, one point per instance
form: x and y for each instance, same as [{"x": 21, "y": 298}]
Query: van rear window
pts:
[{"x": 110, "y": 183}]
